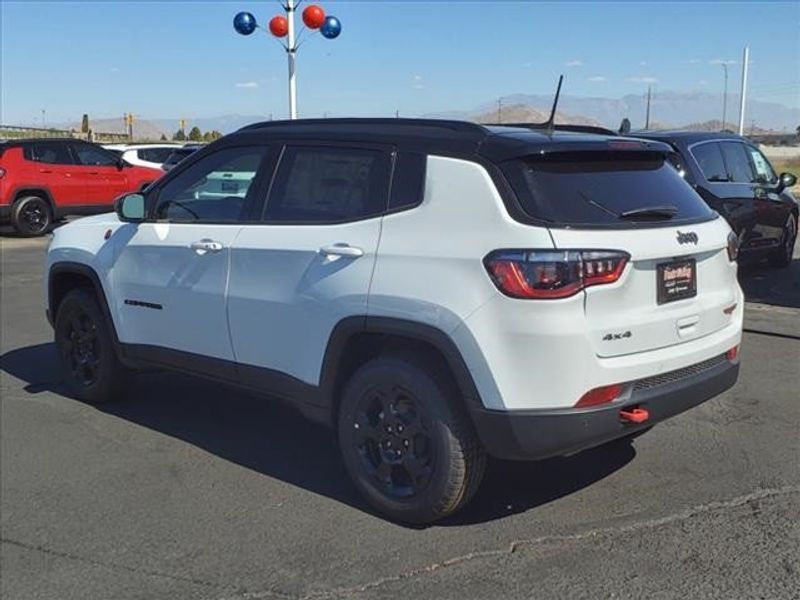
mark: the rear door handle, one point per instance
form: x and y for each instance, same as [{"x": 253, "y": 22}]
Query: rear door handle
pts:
[
  {"x": 203, "y": 246},
  {"x": 341, "y": 250},
  {"x": 48, "y": 171}
]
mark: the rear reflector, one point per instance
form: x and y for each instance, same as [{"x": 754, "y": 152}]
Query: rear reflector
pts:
[
  {"x": 2, "y": 172},
  {"x": 600, "y": 395},
  {"x": 732, "y": 354},
  {"x": 548, "y": 274}
]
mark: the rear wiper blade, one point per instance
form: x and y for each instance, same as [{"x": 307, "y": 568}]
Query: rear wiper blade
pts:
[{"x": 653, "y": 212}]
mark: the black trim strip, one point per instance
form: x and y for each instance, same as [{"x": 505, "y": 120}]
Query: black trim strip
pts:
[{"x": 143, "y": 304}]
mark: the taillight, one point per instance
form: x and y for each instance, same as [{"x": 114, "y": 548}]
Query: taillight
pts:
[
  {"x": 548, "y": 274},
  {"x": 733, "y": 246},
  {"x": 599, "y": 395}
]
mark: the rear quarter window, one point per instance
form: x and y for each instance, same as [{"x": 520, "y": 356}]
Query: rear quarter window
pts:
[{"x": 594, "y": 188}]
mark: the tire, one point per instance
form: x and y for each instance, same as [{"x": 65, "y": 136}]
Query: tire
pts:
[
  {"x": 31, "y": 216},
  {"x": 85, "y": 348},
  {"x": 783, "y": 256},
  {"x": 406, "y": 442}
]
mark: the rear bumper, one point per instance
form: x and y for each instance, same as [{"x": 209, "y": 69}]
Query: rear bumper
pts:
[
  {"x": 536, "y": 434},
  {"x": 5, "y": 213}
]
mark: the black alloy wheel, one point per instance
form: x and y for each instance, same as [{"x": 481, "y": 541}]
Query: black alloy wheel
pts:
[
  {"x": 85, "y": 345},
  {"x": 80, "y": 349},
  {"x": 32, "y": 216},
  {"x": 391, "y": 431},
  {"x": 406, "y": 438}
]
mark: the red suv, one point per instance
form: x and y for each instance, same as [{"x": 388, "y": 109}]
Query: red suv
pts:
[{"x": 44, "y": 180}]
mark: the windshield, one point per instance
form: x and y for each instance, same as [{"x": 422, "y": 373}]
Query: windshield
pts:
[{"x": 604, "y": 188}]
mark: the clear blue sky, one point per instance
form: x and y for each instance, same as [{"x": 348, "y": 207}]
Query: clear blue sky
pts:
[{"x": 167, "y": 59}]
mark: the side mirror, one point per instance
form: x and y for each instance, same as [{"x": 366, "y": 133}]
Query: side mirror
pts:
[
  {"x": 786, "y": 180},
  {"x": 130, "y": 208}
]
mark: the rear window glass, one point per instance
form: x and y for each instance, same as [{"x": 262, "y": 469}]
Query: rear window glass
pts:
[{"x": 597, "y": 188}]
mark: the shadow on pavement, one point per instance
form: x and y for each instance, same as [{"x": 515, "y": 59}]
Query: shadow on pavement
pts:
[
  {"x": 769, "y": 285},
  {"x": 274, "y": 440}
]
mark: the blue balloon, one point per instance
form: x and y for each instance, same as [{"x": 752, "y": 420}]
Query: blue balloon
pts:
[
  {"x": 331, "y": 27},
  {"x": 244, "y": 23}
]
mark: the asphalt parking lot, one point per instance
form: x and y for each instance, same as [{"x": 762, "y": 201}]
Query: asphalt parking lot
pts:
[{"x": 185, "y": 489}]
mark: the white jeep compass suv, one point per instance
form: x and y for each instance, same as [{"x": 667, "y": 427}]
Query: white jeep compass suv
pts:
[{"x": 435, "y": 291}]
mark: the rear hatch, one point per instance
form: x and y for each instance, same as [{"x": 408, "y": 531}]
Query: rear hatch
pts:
[{"x": 679, "y": 283}]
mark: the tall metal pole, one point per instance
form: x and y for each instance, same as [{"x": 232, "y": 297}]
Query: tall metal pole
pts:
[
  {"x": 742, "y": 101},
  {"x": 647, "y": 117},
  {"x": 725, "y": 97},
  {"x": 291, "y": 52}
]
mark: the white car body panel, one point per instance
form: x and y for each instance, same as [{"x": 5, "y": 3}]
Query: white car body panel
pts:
[
  {"x": 429, "y": 267},
  {"x": 156, "y": 264},
  {"x": 286, "y": 296}
]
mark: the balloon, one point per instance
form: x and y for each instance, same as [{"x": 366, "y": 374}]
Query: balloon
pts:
[
  {"x": 331, "y": 28},
  {"x": 279, "y": 26},
  {"x": 313, "y": 16},
  {"x": 244, "y": 23}
]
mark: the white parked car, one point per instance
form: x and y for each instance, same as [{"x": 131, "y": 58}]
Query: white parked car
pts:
[
  {"x": 435, "y": 291},
  {"x": 143, "y": 155}
]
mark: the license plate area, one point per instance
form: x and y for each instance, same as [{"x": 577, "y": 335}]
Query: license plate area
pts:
[{"x": 676, "y": 280}]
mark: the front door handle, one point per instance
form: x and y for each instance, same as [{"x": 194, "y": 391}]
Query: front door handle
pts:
[
  {"x": 341, "y": 250},
  {"x": 203, "y": 246}
]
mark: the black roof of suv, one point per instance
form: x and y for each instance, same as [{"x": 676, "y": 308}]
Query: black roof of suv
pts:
[{"x": 494, "y": 142}]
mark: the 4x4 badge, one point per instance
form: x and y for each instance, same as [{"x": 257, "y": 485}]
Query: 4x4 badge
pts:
[
  {"x": 688, "y": 238},
  {"x": 610, "y": 337}
]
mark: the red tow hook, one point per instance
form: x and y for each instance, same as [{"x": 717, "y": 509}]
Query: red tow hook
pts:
[{"x": 635, "y": 414}]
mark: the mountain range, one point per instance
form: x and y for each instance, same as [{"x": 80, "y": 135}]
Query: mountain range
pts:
[{"x": 667, "y": 109}]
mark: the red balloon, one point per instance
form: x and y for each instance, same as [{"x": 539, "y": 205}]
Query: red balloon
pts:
[
  {"x": 279, "y": 26},
  {"x": 313, "y": 16}
]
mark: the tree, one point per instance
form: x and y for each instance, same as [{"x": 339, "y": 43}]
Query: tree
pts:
[
  {"x": 163, "y": 138},
  {"x": 215, "y": 135},
  {"x": 85, "y": 124},
  {"x": 195, "y": 134},
  {"x": 207, "y": 137},
  {"x": 179, "y": 136},
  {"x": 798, "y": 131}
]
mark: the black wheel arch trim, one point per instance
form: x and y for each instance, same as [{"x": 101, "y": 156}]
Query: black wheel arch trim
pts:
[
  {"x": 20, "y": 191},
  {"x": 402, "y": 328}
]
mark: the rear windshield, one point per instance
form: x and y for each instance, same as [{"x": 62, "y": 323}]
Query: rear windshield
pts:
[{"x": 604, "y": 188}]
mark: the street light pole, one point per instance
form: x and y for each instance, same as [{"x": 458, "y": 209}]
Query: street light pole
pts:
[
  {"x": 725, "y": 96},
  {"x": 742, "y": 101},
  {"x": 291, "y": 53}
]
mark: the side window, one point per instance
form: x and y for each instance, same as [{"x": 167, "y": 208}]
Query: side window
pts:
[
  {"x": 709, "y": 158},
  {"x": 51, "y": 154},
  {"x": 156, "y": 155},
  {"x": 94, "y": 157},
  {"x": 216, "y": 189},
  {"x": 764, "y": 170},
  {"x": 738, "y": 163},
  {"x": 408, "y": 181},
  {"x": 326, "y": 184}
]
